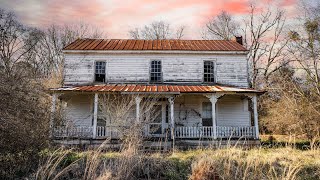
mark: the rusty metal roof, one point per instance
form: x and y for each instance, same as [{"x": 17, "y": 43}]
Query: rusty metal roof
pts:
[
  {"x": 166, "y": 45},
  {"x": 139, "y": 88}
]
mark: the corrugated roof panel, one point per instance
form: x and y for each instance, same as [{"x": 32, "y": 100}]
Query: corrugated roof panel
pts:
[
  {"x": 131, "y": 47},
  {"x": 156, "y": 88},
  {"x": 131, "y": 44},
  {"x": 103, "y": 44},
  {"x": 118, "y": 45},
  {"x": 74, "y": 44}
]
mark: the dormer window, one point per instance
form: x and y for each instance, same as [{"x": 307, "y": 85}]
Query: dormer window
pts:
[
  {"x": 100, "y": 72},
  {"x": 155, "y": 71},
  {"x": 208, "y": 72}
]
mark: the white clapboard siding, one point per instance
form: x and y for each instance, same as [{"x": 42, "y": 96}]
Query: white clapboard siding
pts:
[
  {"x": 79, "y": 110},
  {"x": 179, "y": 68},
  {"x": 233, "y": 111},
  {"x": 191, "y": 104}
]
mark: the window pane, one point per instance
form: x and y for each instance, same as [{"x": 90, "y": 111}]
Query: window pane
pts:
[
  {"x": 100, "y": 71},
  {"x": 208, "y": 71},
  {"x": 155, "y": 71}
]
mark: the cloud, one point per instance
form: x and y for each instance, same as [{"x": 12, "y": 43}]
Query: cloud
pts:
[{"x": 117, "y": 17}]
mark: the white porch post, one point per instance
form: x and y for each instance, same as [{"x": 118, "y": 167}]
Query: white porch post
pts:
[
  {"x": 255, "y": 115},
  {"x": 95, "y": 115},
  {"x": 213, "y": 99},
  {"x": 138, "y": 100},
  {"x": 171, "y": 101},
  {"x": 53, "y": 109}
]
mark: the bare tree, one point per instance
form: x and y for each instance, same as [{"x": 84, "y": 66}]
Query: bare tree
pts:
[
  {"x": 157, "y": 30},
  {"x": 48, "y": 57},
  {"x": 223, "y": 26},
  {"x": 265, "y": 39},
  {"x": 16, "y": 41},
  {"x": 263, "y": 35},
  {"x": 118, "y": 113},
  {"x": 304, "y": 47}
]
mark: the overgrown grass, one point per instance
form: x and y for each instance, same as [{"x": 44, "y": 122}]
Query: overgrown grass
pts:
[{"x": 231, "y": 163}]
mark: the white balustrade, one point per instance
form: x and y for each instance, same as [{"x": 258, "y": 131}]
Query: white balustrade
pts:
[
  {"x": 222, "y": 132},
  {"x": 180, "y": 132},
  {"x": 78, "y": 131}
]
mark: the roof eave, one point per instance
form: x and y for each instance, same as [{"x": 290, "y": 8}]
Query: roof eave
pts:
[{"x": 240, "y": 52}]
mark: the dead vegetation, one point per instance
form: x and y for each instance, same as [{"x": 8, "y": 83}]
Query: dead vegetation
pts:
[{"x": 231, "y": 163}]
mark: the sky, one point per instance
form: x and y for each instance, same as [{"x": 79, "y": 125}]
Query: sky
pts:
[{"x": 116, "y": 17}]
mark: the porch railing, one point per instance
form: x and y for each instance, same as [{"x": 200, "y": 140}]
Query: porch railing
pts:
[
  {"x": 108, "y": 132},
  {"x": 222, "y": 132},
  {"x": 180, "y": 132},
  {"x": 236, "y": 132},
  {"x": 194, "y": 132},
  {"x": 74, "y": 132}
]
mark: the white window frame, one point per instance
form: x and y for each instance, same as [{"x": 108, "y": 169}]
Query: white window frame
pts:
[
  {"x": 214, "y": 70},
  {"x": 105, "y": 72},
  {"x": 161, "y": 73}
]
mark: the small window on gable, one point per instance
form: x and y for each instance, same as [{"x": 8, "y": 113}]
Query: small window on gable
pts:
[
  {"x": 206, "y": 114},
  {"x": 100, "y": 72},
  {"x": 208, "y": 71},
  {"x": 155, "y": 71}
]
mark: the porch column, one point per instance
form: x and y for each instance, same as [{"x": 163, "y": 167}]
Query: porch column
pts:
[
  {"x": 138, "y": 100},
  {"x": 213, "y": 99},
  {"x": 255, "y": 115},
  {"x": 171, "y": 101},
  {"x": 53, "y": 109},
  {"x": 95, "y": 115}
]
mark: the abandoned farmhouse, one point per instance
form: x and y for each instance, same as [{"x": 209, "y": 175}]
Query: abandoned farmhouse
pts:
[{"x": 199, "y": 91}]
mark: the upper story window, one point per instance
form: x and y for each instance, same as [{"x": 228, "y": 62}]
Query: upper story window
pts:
[
  {"x": 208, "y": 71},
  {"x": 155, "y": 71},
  {"x": 100, "y": 72}
]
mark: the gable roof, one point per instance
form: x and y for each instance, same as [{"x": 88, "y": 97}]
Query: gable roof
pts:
[{"x": 164, "y": 45}]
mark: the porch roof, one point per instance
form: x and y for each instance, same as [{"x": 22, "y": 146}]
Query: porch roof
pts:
[{"x": 163, "y": 88}]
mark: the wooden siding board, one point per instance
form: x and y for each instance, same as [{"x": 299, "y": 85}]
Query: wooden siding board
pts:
[{"x": 230, "y": 69}]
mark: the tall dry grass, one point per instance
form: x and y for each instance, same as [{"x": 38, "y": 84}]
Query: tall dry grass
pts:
[
  {"x": 230, "y": 163},
  {"x": 236, "y": 163},
  {"x": 51, "y": 169}
]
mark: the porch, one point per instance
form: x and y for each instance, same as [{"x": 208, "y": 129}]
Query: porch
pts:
[{"x": 186, "y": 113}]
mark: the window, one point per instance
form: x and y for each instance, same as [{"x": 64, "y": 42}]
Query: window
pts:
[
  {"x": 100, "y": 73},
  {"x": 206, "y": 114},
  {"x": 155, "y": 72},
  {"x": 208, "y": 71}
]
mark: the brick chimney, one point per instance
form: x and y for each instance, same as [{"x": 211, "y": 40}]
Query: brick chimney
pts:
[{"x": 237, "y": 39}]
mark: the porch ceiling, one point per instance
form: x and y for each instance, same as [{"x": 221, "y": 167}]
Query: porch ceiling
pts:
[{"x": 170, "y": 89}]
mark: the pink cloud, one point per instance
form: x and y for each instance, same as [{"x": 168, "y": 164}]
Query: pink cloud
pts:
[
  {"x": 117, "y": 17},
  {"x": 285, "y": 3}
]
